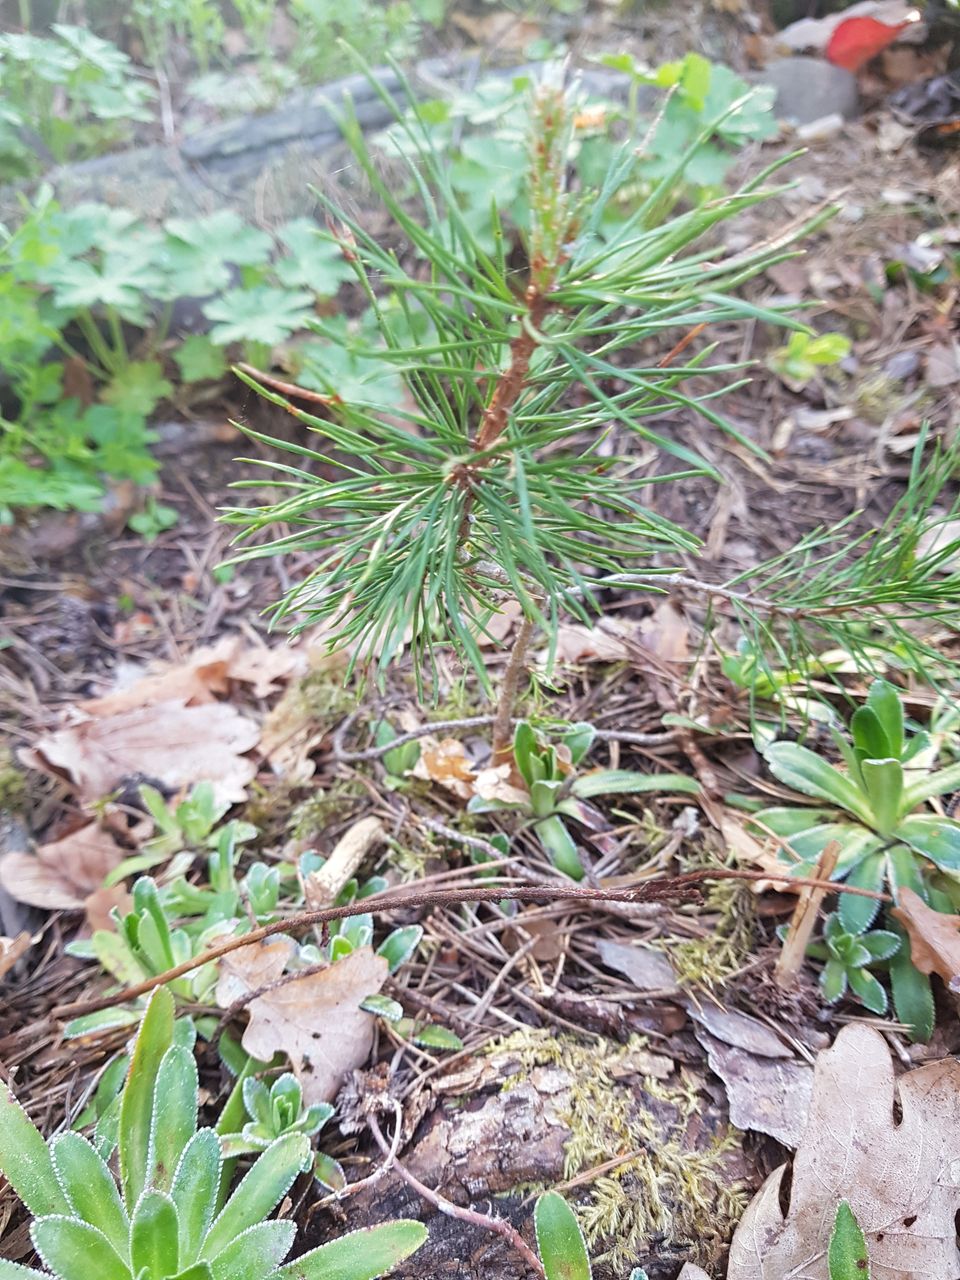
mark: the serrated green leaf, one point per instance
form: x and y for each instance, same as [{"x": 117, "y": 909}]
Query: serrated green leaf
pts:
[
  {"x": 138, "y": 387},
  {"x": 805, "y": 771},
  {"x": 194, "y": 1190},
  {"x": 76, "y": 1250},
  {"x": 434, "y": 1037},
  {"x": 400, "y": 945},
  {"x": 259, "y": 1193},
  {"x": 606, "y": 782},
  {"x": 174, "y": 1114},
  {"x": 199, "y": 359},
  {"x": 254, "y": 1253},
  {"x": 261, "y": 314}
]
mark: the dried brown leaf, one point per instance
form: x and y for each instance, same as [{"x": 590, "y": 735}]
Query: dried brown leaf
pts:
[
  {"x": 899, "y": 1177},
  {"x": 447, "y": 763},
  {"x": 934, "y": 937},
  {"x": 647, "y": 969},
  {"x": 768, "y": 1095},
  {"x": 740, "y": 1030},
  {"x": 602, "y": 643},
  {"x": 61, "y": 875},
  {"x": 170, "y": 743},
  {"x": 205, "y": 673},
  {"x": 316, "y": 1020}
]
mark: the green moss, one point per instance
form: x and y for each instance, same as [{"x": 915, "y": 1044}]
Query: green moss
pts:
[
  {"x": 13, "y": 788},
  {"x": 729, "y": 918},
  {"x": 668, "y": 1194}
]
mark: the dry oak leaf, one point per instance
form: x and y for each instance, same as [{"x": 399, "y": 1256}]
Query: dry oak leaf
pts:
[
  {"x": 934, "y": 937},
  {"x": 902, "y": 1180},
  {"x": 194, "y": 681},
  {"x": 170, "y": 743},
  {"x": 63, "y": 874},
  {"x": 447, "y": 763},
  {"x": 315, "y": 1020},
  {"x": 206, "y": 672}
]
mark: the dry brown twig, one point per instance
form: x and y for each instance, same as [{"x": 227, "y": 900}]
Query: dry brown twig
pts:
[
  {"x": 498, "y": 1225},
  {"x": 682, "y": 887}
]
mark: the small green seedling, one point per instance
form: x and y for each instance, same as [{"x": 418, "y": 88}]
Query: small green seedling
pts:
[
  {"x": 847, "y": 1254},
  {"x": 874, "y": 812},
  {"x": 192, "y": 824},
  {"x": 847, "y": 959},
  {"x": 797, "y": 362},
  {"x": 273, "y": 1112},
  {"x": 560, "y": 1242},
  {"x": 556, "y": 792},
  {"x": 160, "y": 1217}
]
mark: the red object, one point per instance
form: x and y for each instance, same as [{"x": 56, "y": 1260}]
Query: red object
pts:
[{"x": 856, "y": 40}]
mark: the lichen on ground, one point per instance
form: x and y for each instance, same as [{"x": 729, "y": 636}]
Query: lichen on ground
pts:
[{"x": 669, "y": 1196}]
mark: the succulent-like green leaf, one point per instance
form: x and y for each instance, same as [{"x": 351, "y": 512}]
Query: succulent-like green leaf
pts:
[
  {"x": 578, "y": 739},
  {"x": 136, "y": 1109},
  {"x": 329, "y": 1172},
  {"x": 259, "y": 1193},
  {"x": 400, "y": 946},
  {"x": 90, "y": 1187},
  {"x": 869, "y": 736},
  {"x": 869, "y": 991},
  {"x": 936, "y": 838},
  {"x": 857, "y": 913},
  {"x": 912, "y": 994},
  {"x": 199, "y": 1271},
  {"x": 847, "y": 1254},
  {"x": 936, "y": 784},
  {"x": 195, "y": 1188},
  {"x": 254, "y": 1253},
  {"x": 174, "y": 1114},
  {"x": 904, "y": 871},
  {"x": 805, "y": 771},
  {"x": 559, "y": 1240},
  {"x": 791, "y": 820},
  {"x": 608, "y": 782},
  {"x": 884, "y": 701},
  {"x": 360, "y": 1255},
  {"x": 881, "y": 944},
  {"x": 559, "y": 846},
  {"x": 75, "y": 1250},
  {"x": 883, "y": 783},
  {"x": 25, "y": 1160},
  {"x": 155, "y": 1236},
  {"x": 833, "y": 980},
  {"x": 434, "y": 1037},
  {"x": 14, "y": 1271}
]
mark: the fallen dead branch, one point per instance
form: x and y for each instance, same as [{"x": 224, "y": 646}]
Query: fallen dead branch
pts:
[{"x": 683, "y": 888}]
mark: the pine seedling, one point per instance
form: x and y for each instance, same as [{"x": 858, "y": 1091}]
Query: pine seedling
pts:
[{"x": 511, "y": 471}]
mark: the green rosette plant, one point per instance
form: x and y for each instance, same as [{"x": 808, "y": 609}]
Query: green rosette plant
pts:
[
  {"x": 161, "y": 1218},
  {"x": 877, "y": 810}
]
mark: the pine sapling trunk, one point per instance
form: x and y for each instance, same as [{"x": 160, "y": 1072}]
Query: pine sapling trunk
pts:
[{"x": 502, "y": 738}]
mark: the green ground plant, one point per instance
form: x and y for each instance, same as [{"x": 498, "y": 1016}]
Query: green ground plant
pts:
[
  {"x": 560, "y": 1242},
  {"x": 557, "y": 792},
  {"x": 93, "y": 288},
  {"x": 65, "y": 96},
  {"x": 167, "y": 1214},
  {"x": 878, "y": 811}
]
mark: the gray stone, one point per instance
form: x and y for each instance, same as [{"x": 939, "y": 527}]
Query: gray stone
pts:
[{"x": 810, "y": 88}]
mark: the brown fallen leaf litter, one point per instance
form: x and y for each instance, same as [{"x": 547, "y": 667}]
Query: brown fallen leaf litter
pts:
[{"x": 639, "y": 1057}]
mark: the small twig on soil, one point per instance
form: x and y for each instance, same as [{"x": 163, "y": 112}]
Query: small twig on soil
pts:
[
  {"x": 288, "y": 388},
  {"x": 498, "y": 1225},
  {"x": 683, "y": 888},
  {"x": 475, "y": 722}
]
